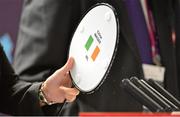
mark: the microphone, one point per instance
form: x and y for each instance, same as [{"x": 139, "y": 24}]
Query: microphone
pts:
[
  {"x": 165, "y": 93},
  {"x": 141, "y": 96},
  {"x": 150, "y": 93},
  {"x": 173, "y": 106}
]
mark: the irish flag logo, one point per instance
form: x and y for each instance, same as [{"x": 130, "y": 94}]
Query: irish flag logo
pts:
[{"x": 89, "y": 44}]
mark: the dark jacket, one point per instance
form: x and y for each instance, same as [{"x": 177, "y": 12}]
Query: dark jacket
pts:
[{"x": 17, "y": 97}]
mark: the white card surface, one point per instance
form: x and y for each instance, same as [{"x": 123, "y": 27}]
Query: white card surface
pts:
[{"x": 93, "y": 46}]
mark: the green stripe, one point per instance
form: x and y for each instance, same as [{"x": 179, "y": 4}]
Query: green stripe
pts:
[{"x": 89, "y": 43}]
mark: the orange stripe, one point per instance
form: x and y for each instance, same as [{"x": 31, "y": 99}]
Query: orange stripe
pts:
[
  {"x": 95, "y": 53},
  {"x": 128, "y": 114}
]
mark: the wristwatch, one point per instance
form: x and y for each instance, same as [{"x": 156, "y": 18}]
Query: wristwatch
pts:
[{"x": 42, "y": 97}]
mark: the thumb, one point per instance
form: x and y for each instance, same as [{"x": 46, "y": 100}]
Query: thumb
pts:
[{"x": 68, "y": 66}]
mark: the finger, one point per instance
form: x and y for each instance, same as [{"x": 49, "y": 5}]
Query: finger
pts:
[
  {"x": 70, "y": 98},
  {"x": 68, "y": 94},
  {"x": 65, "y": 94},
  {"x": 70, "y": 91},
  {"x": 73, "y": 91},
  {"x": 68, "y": 66}
]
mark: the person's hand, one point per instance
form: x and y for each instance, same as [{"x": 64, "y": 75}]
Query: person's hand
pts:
[{"x": 57, "y": 87}]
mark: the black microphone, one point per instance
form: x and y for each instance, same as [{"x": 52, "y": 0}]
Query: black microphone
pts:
[
  {"x": 165, "y": 93},
  {"x": 141, "y": 96},
  {"x": 173, "y": 106},
  {"x": 151, "y": 94}
]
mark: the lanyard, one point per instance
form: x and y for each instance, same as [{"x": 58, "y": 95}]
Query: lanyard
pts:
[{"x": 152, "y": 30}]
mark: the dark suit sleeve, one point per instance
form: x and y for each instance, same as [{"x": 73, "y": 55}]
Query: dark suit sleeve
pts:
[{"x": 17, "y": 97}]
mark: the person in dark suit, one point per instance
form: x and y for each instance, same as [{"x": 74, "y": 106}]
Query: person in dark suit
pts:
[
  {"x": 45, "y": 33},
  {"x": 163, "y": 18},
  {"x": 177, "y": 32},
  {"x": 23, "y": 98}
]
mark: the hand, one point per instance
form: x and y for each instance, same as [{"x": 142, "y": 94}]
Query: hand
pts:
[{"x": 57, "y": 87}]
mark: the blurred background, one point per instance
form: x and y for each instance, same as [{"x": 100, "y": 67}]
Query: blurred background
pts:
[{"x": 10, "y": 11}]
